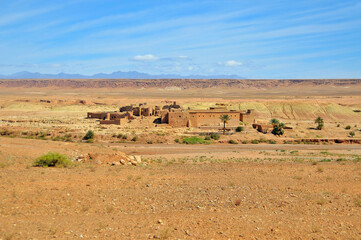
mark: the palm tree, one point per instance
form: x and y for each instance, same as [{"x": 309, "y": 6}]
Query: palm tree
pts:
[
  {"x": 225, "y": 118},
  {"x": 320, "y": 123}
]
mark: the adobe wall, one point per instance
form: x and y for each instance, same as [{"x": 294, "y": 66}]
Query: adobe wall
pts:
[
  {"x": 247, "y": 117},
  {"x": 99, "y": 115},
  {"x": 210, "y": 118},
  {"x": 164, "y": 116},
  {"x": 178, "y": 119},
  {"x": 126, "y": 108}
]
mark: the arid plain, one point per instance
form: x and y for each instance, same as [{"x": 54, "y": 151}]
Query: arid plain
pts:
[{"x": 305, "y": 184}]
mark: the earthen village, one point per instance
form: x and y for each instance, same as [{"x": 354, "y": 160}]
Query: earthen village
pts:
[{"x": 174, "y": 115}]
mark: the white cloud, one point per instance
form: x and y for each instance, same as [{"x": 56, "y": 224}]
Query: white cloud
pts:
[
  {"x": 147, "y": 57},
  {"x": 232, "y": 63}
]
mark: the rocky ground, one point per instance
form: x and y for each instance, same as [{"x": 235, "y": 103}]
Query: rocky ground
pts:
[
  {"x": 153, "y": 187},
  {"x": 244, "y": 194}
]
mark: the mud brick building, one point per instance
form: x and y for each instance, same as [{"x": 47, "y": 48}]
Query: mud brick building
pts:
[
  {"x": 173, "y": 115},
  {"x": 207, "y": 118}
]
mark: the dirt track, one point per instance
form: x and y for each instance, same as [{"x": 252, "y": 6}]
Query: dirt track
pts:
[{"x": 159, "y": 149}]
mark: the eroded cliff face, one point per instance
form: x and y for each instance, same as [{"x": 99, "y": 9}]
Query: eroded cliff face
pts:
[{"x": 167, "y": 83}]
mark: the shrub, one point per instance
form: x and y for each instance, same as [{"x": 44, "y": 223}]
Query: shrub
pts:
[
  {"x": 207, "y": 138},
  {"x": 232, "y": 141},
  {"x": 176, "y": 140},
  {"x": 134, "y": 139},
  {"x": 239, "y": 129},
  {"x": 272, "y": 142},
  {"x": 195, "y": 140},
  {"x": 254, "y": 141},
  {"x": 119, "y": 135},
  {"x": 274, "y": 121},
  {"x": 52, "y": 159},
  {"x": 348, "y": 127},
  {"x": 320, "y": 123},
  {"x": 244, "y": 142},
  {"x": 352, "y": 133},
  {"x": 278, "y": 129},
  {"x": 89, "y": 135},
  {"x": 215, "y": 136},
  {"x": 124, "y": 137},
  {"x": 150, "y": 142}
]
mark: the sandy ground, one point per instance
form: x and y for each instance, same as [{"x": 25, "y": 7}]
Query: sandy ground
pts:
[
  {"x": 217, "y": 191},
  {"x": 247, "y": 193}
]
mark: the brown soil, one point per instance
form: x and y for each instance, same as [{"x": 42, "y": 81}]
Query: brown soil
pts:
[
  {"x": 258, "y": 197},
  {"x": 216, "y": 191},
  {"x": 264, "y": 199}
]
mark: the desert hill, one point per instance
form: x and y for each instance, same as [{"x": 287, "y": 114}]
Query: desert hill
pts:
[{"x": 179, "y": 83}]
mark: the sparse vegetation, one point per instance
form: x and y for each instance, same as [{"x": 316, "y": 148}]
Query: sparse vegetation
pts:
[
  {"x": 239, "y": 129},
  {"x": 207, "y": 138},
  {"x": 320, "y": 123},
  {"x": 278, "y": 129},
  {"x": 232, "y": 141},
  {"x": 89, "y": 135},
  {"x": 215, "y": 136},
  {"x": 195, "y": 140},
  {"x": 52, "y": 159},
  {"x": 274, "y": 121}
]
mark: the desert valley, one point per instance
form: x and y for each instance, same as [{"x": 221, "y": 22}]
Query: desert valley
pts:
[{"x": 142, "y": 178}]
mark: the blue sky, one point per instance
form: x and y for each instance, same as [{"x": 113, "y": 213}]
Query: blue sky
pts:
[{"x": 253, "y": 39}]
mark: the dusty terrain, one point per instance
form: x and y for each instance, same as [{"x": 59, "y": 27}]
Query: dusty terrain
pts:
[
  {"x": 208, "y": 193},
  {"x": 304, "y": 190}
]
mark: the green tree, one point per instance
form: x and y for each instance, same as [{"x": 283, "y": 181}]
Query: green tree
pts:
[
  {"x": 225, "y": 118},
  {"x": 278, "y": 129},
  {"x": 320, "y": 123},
  {"x": 274, "y": 121},
  {"x": 89, "y": 135}
]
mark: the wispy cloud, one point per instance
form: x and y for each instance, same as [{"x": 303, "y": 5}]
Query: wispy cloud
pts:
[
  {"x": 191, "y": 36},
  {"x": 232, "y": 63},
  {"x": 144, "y": 58}
]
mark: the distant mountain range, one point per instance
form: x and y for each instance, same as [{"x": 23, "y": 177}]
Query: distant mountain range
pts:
[{"x": 114, "y": 75}]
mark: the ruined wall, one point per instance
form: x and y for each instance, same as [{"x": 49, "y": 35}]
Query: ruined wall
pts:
[
  {"x": 99, "y": 115},
  {"x": 126, "y": 108},
  {"x": 247, "y": 117},
  {"x": 164, "y": 116},
  {"x": 178, "y": 119},
  {"x": 146, "y": 111}
]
